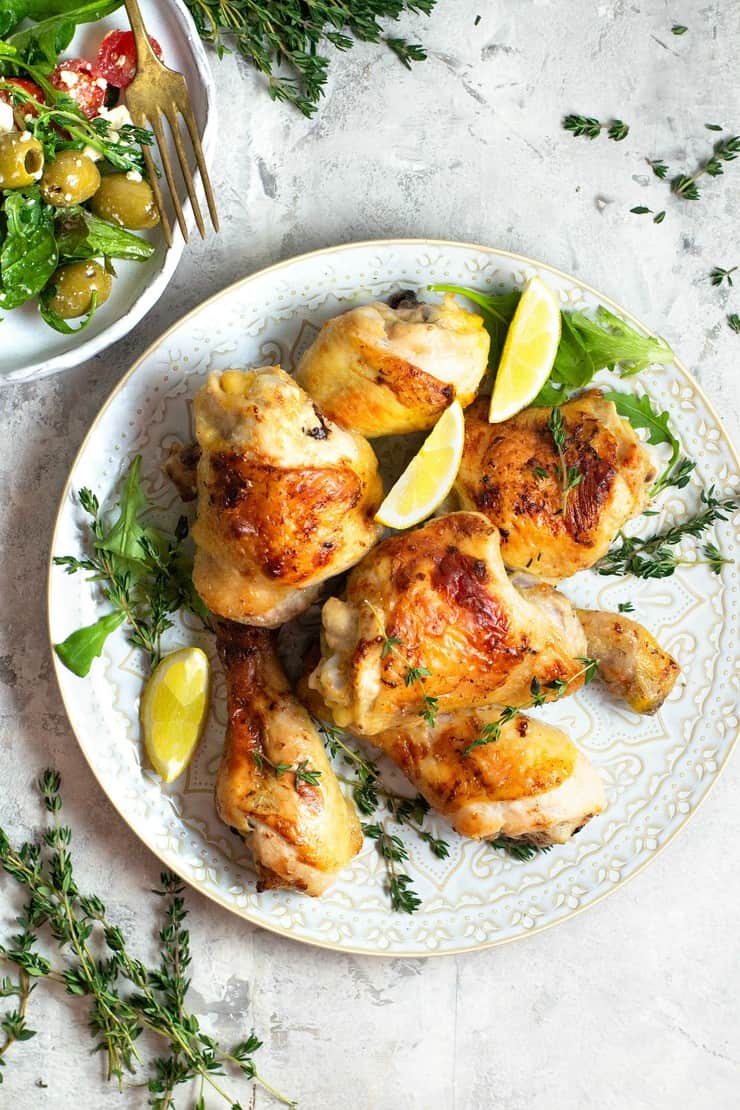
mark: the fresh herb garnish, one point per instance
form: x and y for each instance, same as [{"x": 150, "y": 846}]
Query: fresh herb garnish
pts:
[
  {"x": 678, "y": 29},
  {"x": 625, "y": 607},
  {"x": 540, "y": 693},
  {"x": 659, "y": 168},
  {"x": 591, "y": 128},
  {"x": 718, "y": 275},
  {"x": 518, "y": 849},
  {"x": 654, "y": 558},
  {"x": 414, "y": 674},
  {"x": 641, "y": 414},
  {"x": 641, "y": 210},
  {"x": 404, "y": 898},
  {"x": 726, "y": 150},
  {"x": 123, "y": 994},
  {"x": 291, "y": 33},
  {"x": 570, "y": 476},
  {"x": 587, "y": 343},
  {"x": 734, "y": 322},
  {"x": 301, "y": 771},
  {"x": 367, "y": 790},
  {"x": 144, "y": 575}
]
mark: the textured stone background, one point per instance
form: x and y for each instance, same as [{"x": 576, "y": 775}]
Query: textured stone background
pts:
[{"x": 633, "y": 1004}]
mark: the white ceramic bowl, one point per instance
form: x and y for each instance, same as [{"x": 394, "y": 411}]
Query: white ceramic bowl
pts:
[{"x": 29, "y": 349}]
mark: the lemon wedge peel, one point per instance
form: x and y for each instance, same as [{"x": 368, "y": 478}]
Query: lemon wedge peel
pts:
[
  {"x": 529, "y": 351},
  {"x": 174, "y": 709},
  {"x": 430, "y": 475}
]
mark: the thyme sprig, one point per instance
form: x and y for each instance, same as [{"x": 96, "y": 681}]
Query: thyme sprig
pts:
[
  {"x": 653, "y": 557},
  {"x": 726, "y": 150},
  {"x": 124, "y": 996},
  {"x": 518, "y": 849},
  {"x": 570, "y": 476},
  {"x": 718, "y": 275},
  {"x": 414, "y": 674},
  {"x": 590, "y": 128},
  {"x": 404, "y": 898},
  {"x": 283, "y": 41},
  {"x": 540, "y": 693},
  {"x": 367, "y": 790},
  {"x": 658, "y": 166},
  {"x": 301, "y": 771}
]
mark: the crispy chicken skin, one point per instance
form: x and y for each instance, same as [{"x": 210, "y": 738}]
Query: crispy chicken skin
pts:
[
  {"x": 384, "y": 371},
  {"x": 300, "y": 835},
  {"x": 286, "y": 499},
  {"x": 531, "y": 784},
  {"x": 501, "y": 476},
  {"x": 442, "y": 597},
  {"x": 632, "y": 664}
]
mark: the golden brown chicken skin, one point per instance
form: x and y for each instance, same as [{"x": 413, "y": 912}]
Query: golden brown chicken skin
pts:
[
  {"x": 438, "y": 598},
  {"x": 384, "y": 370},
  {"x": 531, "y": 784},
  {"x": 512, "y": 473},
  {"x": 286, "y": 499},
  {"x": 301, "y": 834},
  {"x": 631, "y": 663}
]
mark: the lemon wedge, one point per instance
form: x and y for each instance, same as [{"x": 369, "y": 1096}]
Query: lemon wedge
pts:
[
  {"x": 529, "y": 351},
  {"x": 174, "y": 707},
  {"x": 428, "y": 478}
]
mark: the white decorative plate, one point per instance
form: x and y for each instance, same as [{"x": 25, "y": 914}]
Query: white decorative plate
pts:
[
  {"x": 657, "y": 770},
  {"x": 29, "y": 349}
]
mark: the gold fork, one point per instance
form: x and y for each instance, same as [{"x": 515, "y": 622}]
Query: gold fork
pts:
[{"x": 158, "y": 91}]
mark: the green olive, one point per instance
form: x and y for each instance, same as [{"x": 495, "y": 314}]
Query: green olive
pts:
[
  {"x": 21, "y": 160},
  {"x": 126, "y": 201},
  {"x": 74, "y": 286},
  {"x": 71, "y": 178}
]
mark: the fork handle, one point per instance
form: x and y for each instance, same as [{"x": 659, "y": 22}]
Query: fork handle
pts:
[{"x": 141, "y": 39}]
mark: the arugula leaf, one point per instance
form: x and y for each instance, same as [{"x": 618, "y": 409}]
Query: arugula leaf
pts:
[
  {"x": 587, "y": 343},
  {"x": 42, "y": 43},
  {"x": 641, "y": 414},
  {"x": 29, "y": 253},
  {"x": 81, "y": 235},
  {"x": 78, "y": 650},
  {"x": 127, "y": 539}
]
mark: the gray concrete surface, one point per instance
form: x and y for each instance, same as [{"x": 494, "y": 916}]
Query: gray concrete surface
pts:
[{"x": 632, "y": 1005}]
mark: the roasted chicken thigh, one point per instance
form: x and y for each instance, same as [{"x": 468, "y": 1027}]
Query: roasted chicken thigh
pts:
[
  {"x": 384, "y": 370},
  {"x": 631, "y": 663},
  {"x": 512, "y": 472},
  {"x": 531, "y": 784},
  {"x": 301, "y": 833},
  {"x": 439, "y": 599},
  {"x": 286, "y": 498}
]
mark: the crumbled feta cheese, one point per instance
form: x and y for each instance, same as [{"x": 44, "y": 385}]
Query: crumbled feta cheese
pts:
[
  {"x": 101, "y": 82},
  {"x": 68, "y": 77},
  {"x": 91, "y": 153},
  {"x": 7, "y": 123},
  {"x": 134, "y": 175},
  {"x": 26, "y": 136},
  {"x": 116, "y": 117}
]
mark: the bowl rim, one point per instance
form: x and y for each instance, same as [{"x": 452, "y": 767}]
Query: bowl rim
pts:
[{"x": 117, "y": 329}]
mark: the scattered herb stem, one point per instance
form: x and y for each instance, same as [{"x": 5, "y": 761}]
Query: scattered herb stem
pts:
[
  {"x": 491, "y": 732},
  {"x": 654, "y": 558},
  {"x": 726, "y": 150},
  {"x": 590, "y": 128},
  {"x": 155, "y": 998}
]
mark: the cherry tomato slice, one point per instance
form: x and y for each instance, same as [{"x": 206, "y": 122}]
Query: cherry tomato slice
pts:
[
  {"x": 117, "y": 57},
  {"x": 83, "y": 81},
  {"x": 20, "y": 111}
]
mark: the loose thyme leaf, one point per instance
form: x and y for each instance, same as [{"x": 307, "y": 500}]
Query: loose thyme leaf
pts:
[
  {"x": 678, "y": 29},
  {"x": 734, "y": 322},
  {"x": 625, "y": 607},
  {"x": 659, "y": 168},
  {"x": 718, "y": 275}
]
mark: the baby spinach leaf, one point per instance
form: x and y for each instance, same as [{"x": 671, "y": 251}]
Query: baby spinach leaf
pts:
[
  {"x": 42, "y": 43},
  {"x": 57, "y": 322},
  {"x": 82, "y": 235},
  {"x": 78, "y": 650},
  {"x": 29, "y": 252}
]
